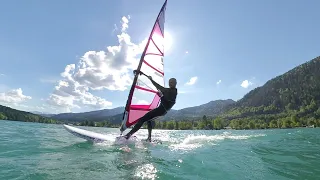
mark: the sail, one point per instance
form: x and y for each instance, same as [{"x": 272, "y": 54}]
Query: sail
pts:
[{"x": 143, "y": 96}]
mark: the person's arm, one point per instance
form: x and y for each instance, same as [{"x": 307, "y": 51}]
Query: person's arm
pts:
[{"x": 158, "y": 86}]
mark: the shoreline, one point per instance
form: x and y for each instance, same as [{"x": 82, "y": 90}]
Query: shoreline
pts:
[{"x": 194, "y": 129}]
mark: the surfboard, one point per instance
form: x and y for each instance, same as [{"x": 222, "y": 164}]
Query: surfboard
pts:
[
  {"x": 88, "y": 135},
  {"x": 98, "y": 137},
  {"x": 94, "y": 136}
]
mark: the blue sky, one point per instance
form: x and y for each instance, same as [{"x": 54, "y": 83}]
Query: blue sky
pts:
[{"x": 230, "y": 42}]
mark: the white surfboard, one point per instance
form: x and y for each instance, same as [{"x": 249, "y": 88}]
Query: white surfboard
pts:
[
  {"x": 88, "y": 135},
  {"x": 98, "y": 137}
]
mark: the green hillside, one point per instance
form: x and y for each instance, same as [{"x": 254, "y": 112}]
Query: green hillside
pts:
[
  {"x": 288, "y": 100},
  {"x": 17, "y": 115},
  {"x": 97, "y": 116},
  {"x": 212, "y": 109},
  {"x": 113, "y": 117}
]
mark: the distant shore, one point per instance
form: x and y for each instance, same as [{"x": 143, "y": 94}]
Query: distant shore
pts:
[{"x": 166, "y": 127}]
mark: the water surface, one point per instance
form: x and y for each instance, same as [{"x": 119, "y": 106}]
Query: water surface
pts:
[{"x": 46, "y": 151}]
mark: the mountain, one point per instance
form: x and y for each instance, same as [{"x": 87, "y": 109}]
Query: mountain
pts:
[
  {"x": 114, "y": 116},
  {"x": 17, "y": 115},
  {"x": 291, "y": 99},
  {"x": 99, "y": 115},
  {"x": 212, "y": 108},
  {"x": 297, "y": 86},
  {"x": 42, "y": 114}
]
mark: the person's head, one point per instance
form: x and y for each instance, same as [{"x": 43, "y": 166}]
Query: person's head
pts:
[{"x": 172, "y": 82}]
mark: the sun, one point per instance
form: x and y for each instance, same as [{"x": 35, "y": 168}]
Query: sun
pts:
[{"x": 167, "y": 41}]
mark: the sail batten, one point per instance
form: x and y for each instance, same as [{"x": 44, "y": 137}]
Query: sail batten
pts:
[
  {"x": 162, "y": 73},
  {"x": 142, "y": 97},
  {"x": 145, "y": 89}
]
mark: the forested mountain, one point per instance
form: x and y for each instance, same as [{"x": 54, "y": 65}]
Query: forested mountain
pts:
[
  {"x": 42, "y": 114},
  {"x": 17, "y": 115},
  {"x": 212, "y": 108},
  {"x": 99, "y": 115},
  {"x": 288, "y": 100}
]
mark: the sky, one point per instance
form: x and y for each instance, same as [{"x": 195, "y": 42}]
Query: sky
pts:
[{"x": 73, "y": 57}]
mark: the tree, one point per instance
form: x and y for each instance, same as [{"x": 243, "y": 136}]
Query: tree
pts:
[{"x": 176, "y": 125}]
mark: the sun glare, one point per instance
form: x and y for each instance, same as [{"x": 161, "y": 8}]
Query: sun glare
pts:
[{"x": 167, "y": 41}]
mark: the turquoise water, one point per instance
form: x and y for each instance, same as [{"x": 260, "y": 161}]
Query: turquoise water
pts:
[{"x": 45, "y": 151}]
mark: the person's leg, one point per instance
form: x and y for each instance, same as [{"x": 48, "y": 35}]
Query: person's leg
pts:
[
  {"x": 150, "y": 115},
  {"x": 151, "y": 125}
]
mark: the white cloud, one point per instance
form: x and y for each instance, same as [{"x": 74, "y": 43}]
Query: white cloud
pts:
[
  {"x": 2, "y": 74},
  {"x": 219, "y": 82},
  {"x": 246, "y": 84},
  {"x": 96, "y": 70},
  {"x": 192, "y": 81},
  {"x": 13, "y": 96}
]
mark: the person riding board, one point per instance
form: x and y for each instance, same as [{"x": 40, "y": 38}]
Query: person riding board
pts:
[{"x": 168, "y": 99}]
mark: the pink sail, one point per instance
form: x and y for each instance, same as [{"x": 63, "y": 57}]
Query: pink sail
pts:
[{"x": 143, "y": 96}]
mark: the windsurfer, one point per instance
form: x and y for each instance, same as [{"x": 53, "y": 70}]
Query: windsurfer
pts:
[{"x": 168, "y": 99}]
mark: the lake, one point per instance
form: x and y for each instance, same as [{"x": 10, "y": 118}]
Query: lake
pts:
[{"x": 47, "y": 151}]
